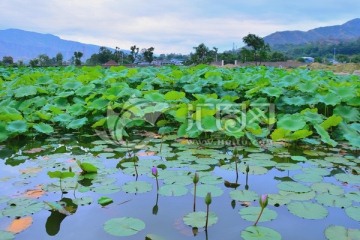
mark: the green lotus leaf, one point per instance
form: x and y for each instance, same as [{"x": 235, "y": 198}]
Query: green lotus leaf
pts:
[
  {"x": 327, "y": 188},
  {"x": 174, "y": 95},
  {"x": 308, "y": 210},
  {"x": 104, "y": 201},
  {"x": 309, "y": 87},
  {"x": 72, "y": 85},
  {"x": 298, "y": 196},
  {"x": 349, "y": 114},
  {"x": 61, "y": 175},
  {"x": 106, "y": 189},
  {"x": 325, "y": 137},
  {"x": 332, "y": 121},
  {"x": 99, "y": 104},
  {"x": 137, "y": 187},
  {"x": 124, "y": 226},
  {"x": 329, "y": 200},
  {"x": 296, "y": 101},
  {"x": 63, "y": 118},
  {"x": 5, "y": 235},
  {"x": 272, "y": 91},
  {"x": 354, "y": 196},
  {"x": 330, "y": 99},
  {"x": 25, "y": 91},
  {"x": 344, "y": 93},
  {"x": 252, "y": 213},
  {"x": 87, "y": 167},
  {"x": 348, "y": 178},
  {"x": 43, "y": 128},
  {"x": 278, "y": 200},
  {"x": 198, "y": 219},
  {"x": 244, "y": 195},
  {"x": 83, "y": 201},
  {"x": 353, "y": 212},
  {"x": 308, "y": 177},
  {"x": 260, "y": 233},
  {"x": 18, "y": 126},
  {"x": 21, "y": 207},
  {"x": 173, "y": 190},
  {"x": 293, "y": 187},
  {"x": 291, "y": 122},
  {"x": 85, "y": 90},
  {"x": 203, "y": 189},
  {"x": 287, "y": 166},
  {"x": 77, "y": 123},
  {"x": 340, "y": 232}
]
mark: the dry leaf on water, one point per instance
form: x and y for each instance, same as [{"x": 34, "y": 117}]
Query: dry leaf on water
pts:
[{"x": 19, "y": 225}]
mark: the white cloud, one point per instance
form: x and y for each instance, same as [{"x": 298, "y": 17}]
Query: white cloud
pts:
[{"x": 171, "y": 26}]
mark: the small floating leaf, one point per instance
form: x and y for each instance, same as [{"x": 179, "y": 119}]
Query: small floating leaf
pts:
[
  {"x": 173, "y": 190},
  {"x": 137, "y": 187},
  {"x": 244, "y": 195},
  {"x": 103, "y": 201},
  {"x": 260, "y": 233},
  {"x": 308, "y": 210},
  {"x": 125, "y": 226},
  {"x": 293, "y": 187},
  {"x": 252, "y": 213},
  {"x": 339, "y": 232},
  {"x": 198, "y": 219},
  {"x": 353, "y": 212}
]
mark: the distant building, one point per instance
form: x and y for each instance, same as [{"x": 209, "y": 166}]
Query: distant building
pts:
[
  {"x": 308, "y": 59},
  {"x": 110, "y": 64}
]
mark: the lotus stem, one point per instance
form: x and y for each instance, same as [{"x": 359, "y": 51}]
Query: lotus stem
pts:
[{"x": 257, "y": 220}]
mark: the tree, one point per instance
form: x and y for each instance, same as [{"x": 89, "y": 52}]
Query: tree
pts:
[
  {"x": 44, "y": 60},
  {"x": 78, "y": 56},
  {"x": 34, "y": 62},
  {"x": 134, "y": 51},
  {"x": 148, "y": 54},
  {"x": 104, "y": 55},
  {"x": 202, "y": 55},
  {"x": 59, "y": 59},
  {"x": 8, "y": 60},
  {"x": 258, "y": 46}
]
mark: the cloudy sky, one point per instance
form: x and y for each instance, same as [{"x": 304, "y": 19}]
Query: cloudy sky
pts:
[{"x": 171, "y": 26}]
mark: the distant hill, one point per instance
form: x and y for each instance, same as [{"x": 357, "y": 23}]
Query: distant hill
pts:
[
  {"x": 347, "y": 31},
  {"x": 25, "y": 45}
]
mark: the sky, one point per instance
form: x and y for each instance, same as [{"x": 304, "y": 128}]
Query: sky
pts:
[{"x": 171, "y": 26}]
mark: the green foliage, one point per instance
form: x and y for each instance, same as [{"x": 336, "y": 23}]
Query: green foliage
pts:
[{"x": 193, "y": 101}]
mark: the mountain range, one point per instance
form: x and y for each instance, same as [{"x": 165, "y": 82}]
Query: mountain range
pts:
[
  {"x": 26, "y": 45},
  {"x": 347, "y": 31}
]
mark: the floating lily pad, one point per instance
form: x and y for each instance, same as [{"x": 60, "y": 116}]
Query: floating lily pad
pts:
[
  {"x": 198, "y": 219},
  {"x": 299, "y": 158},
  {"x": 333, "y": 200},
  {"x": 5, "y": 235},
  {"x": 339, "y": 232},
  {"x": 278, "y": 200},
  {"x": 353, "y": 212},
  {"x": 137, "y": 187},
  {"x": 83, "y": 201},
  {"x": 123, "y": 227},
  {"x": 244, "y": 195},
  {"x": 21, "y": 207},
  {"x": 327, "y": 188},
  {"x": 260, "y": 233},
  {"x": 355, "y": 196},
  {"x": 103, "y": 201},
  {"x": 308, "y": 210},
  {"x": 287, "y": 166},
  {"x": 348, "y": 178},
  {"x": 173, "y": 190},
  {"x": 211, "y": 179},
  {"x": 254, "y": 170},
  {"x": 293, "y": 187},
  {"x": 203, "y": 189},
  {"x": 107, "y": 189},
  {"x": 252, "y": 213},
  {"x": 298, "y": 196},
  {"x": 308, "y": 177}
]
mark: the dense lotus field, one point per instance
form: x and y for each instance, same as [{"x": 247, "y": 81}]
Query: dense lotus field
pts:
[
  {"x": 201, "y": 102},
  {"x": 149, "y": 153}
]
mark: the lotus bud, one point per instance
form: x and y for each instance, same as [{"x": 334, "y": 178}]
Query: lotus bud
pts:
[
  {"x": 208, "y": 198},
  {"x": 154, "y": 172},
  {"x": 263, "y": 201},
  {"x": 196, "y": 178},
  {"x": 247, "y": 169}
]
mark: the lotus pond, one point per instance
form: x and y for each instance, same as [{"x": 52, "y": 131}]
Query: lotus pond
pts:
[{"x": 144, "y": 153}]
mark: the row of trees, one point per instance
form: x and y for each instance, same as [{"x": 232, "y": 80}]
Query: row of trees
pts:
[{"x": 256, "y": 50}]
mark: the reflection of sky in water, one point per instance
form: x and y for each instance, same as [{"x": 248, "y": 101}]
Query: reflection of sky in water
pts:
[{"x": 87, "y": 222}]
